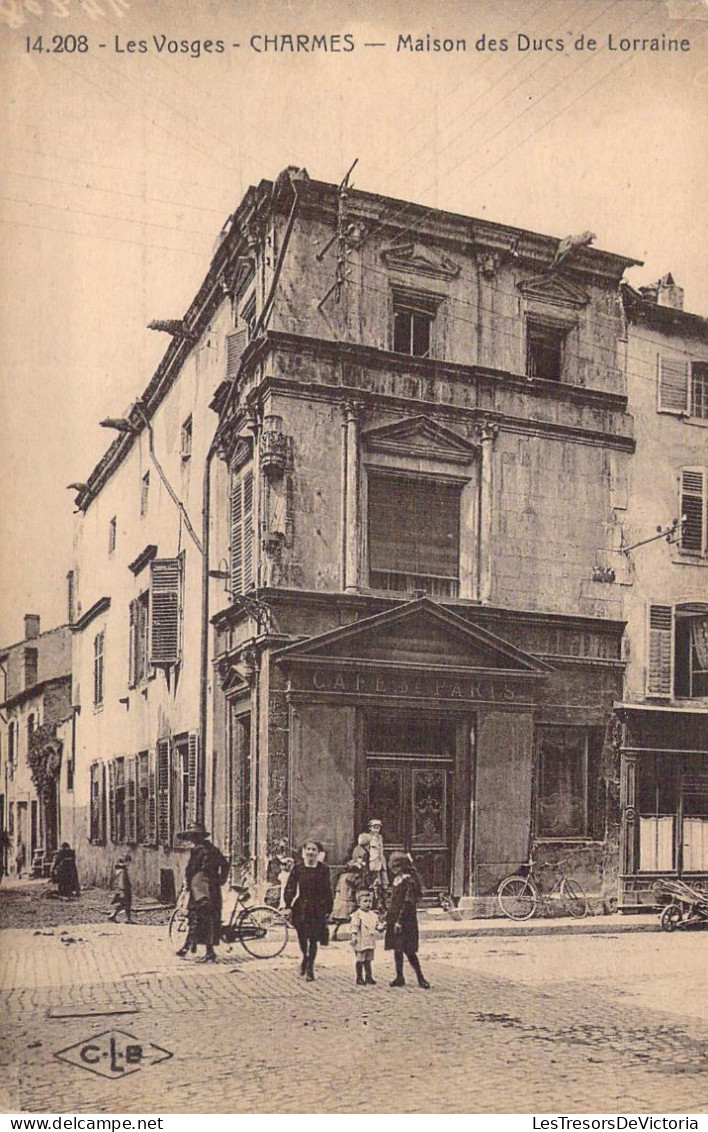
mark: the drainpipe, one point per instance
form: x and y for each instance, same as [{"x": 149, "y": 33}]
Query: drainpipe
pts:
[{"x": 204, "y": 648}]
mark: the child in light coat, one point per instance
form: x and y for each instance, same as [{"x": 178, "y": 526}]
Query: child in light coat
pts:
[
  {"x": 364, "y": 926},
  {"x": 348, "y": 884}
]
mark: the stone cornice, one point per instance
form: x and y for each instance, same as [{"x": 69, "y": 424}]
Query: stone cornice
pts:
[{"x": 91, "y": 614}]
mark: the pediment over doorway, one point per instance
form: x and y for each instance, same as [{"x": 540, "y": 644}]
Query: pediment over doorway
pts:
[{"x": 420, "y": 634}]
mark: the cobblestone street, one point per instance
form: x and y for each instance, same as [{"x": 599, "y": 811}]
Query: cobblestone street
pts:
[{"x": 570, "y": 1024}]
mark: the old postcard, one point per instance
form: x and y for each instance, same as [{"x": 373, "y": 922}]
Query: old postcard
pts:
[{"x": 354, "y": 612}]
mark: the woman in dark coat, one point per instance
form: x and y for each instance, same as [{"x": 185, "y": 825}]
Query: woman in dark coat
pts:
[
  {"x": 309, "y": 894},
  {"x": 402, "y": 919},
  {"x": 64, "y": 872},
  {"x": 207, "y": 870}
]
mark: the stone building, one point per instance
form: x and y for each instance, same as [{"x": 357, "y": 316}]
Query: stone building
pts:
[
  {"x": 36, "y": 757},
  {"x": 427, "y": 441},
  {"x": 662, "y": 733}
]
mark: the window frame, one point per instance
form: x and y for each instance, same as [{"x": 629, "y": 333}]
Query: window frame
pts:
[
  {"x": 685, "y": 493},
  {"x": 423, "y": 305},
  {"x": 242, "y": 535},
  {"x": 457, "y": 485},
  {"x": 676, "y": 393},
  {"x": 585, "y": 732},
  {"x": 112, "y": 535},
  {"x": 186, "y": 439},
  {"x": 144, "y": 494},
  {"x": 99, "y": 669},
  {"x": 538, "y": 325},
  {"x": 660, "y": 679}
]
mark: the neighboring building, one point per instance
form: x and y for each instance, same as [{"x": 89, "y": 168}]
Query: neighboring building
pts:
[
  {"x": 663, "y": 738},
  {"x": 428, "y": 443},
  {"x": 35, "y": 746}
]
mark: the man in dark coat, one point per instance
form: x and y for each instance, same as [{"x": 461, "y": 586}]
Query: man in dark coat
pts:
[{"x": 207, "y": 870}]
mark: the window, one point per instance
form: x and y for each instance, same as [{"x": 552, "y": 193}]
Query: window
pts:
[
  {"x": 186, "y": 440},
  {"x": 569, "y": 786},
  {"x": 414, "y": 534},
  {"x": 117, "y": 799},
  {"x": 11, "y": 744},
  {"x": 112, "y": 534},
  {"x": 98, "y": 671},
  {"x": 682, "y": 386},
  {"x": 30, "y": 659},
  {"x": 30, "y": 727},
  {"x": 248, "y": 318},
  {"x": 165, "y": 611},
  {"x": 144, "y": 495},
  {"x": 142, "y": 797},
  {"x": 677, "y": 655},
  {"x": 71, "y": 597},
  {"x": 412, "y": 329},
  {"x": 164, "y": 792},
  {"x": 242, "y": 532},
  {"x": 97, "y": 803},
  {"x": 186, "y": 756},
  {"x": 139, "y": 666},
  {"x": 692, "y": 506},
  {"x": 544, "y": 350}
]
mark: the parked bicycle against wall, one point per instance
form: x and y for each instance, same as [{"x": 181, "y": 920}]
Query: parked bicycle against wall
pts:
[
  {"x": 519, "y": 896},
  {"x": 261, "y": 931}
]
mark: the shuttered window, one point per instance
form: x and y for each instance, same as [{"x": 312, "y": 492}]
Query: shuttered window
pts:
[
  {"x": 151, "y": 836},
  {"x": 242, "y": 532},
  {"x": 165, "y": 610},
  {"x": 193, "y": 777},
  {"x": 97, "y": 803},
  {"x": 660, "y": 660},
  {"x": 414, "y": 534},
  {"x": 164, "y": 792},
  {"x": 112, "y": 832},
  {"x": 674, "y": 384},
  {"x": 131, "y": 800},
  {"x": 235, "y": 345},
  {"x": 699, "y": 390},
  {"x": 98, "y": 667},
  {"x": 142, "y": 773},
  {"x": 692, "y": 505}
]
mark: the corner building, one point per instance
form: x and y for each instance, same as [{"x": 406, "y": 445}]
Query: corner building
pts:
[{"x": 424, "y": 438}]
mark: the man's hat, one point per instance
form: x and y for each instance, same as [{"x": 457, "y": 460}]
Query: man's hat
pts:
[
  {"x": 194, "y": 829},
  {"x": 375, "y": 821}
]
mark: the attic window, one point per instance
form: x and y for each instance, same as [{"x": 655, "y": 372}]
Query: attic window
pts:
[{"x": 544, "y": 350}]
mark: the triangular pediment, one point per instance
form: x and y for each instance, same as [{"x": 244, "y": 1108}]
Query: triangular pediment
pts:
[
  {"x": 555, "y": 290},
  {"x": 420, "y": 633},
  {"x": 420, "y": 437},
  {"x": 417, "y": 258}
]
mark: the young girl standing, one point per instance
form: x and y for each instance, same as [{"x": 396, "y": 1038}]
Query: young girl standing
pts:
[
  {"x": 402, "y": 918},
  {"x": 309, "y": 894}
]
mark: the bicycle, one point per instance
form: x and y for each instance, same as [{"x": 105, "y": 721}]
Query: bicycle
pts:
[
  {"x": 261, "y": 931},
  {"x": 520, "y": 895}
]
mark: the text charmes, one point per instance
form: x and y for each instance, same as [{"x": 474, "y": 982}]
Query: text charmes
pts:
[{"x": 163, "y": 45}]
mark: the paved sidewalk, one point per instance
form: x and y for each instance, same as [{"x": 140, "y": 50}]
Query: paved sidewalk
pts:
[{"x": 437, "y": 925}]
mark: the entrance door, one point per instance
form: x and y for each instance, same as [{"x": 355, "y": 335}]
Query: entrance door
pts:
[{"x": 410, "y": 788}]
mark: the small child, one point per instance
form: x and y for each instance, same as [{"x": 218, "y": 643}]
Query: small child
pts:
[
  {"x": 348, "y": 884},
  {"x": 364, "y": 925},
  {"x": 123, "y": 895},
  {"x": 402, "y": 919}
]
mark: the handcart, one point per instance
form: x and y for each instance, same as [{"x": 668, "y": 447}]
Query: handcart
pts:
[{"x": 687, "y": 905}]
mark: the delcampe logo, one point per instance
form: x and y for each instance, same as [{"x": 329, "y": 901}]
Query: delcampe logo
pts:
[{"x": 113, "y": 1054}]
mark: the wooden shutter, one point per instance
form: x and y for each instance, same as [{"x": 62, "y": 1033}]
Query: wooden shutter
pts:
[
  {"x": 95, "y": 813},
  {"x": 163, "y": 791},
  {"x": 151, "y": 836},
  {"x": 112, "y": 831},
  {"x": 131, "y": 800},
  {"x": 674, "y": 384},
  {"x": 693, "y": 510},
  {"x": 414, "y": 526},
  {"x": 165, "y": 603},
  {"x": 660, "y": 652},
  {"x": 193, "y": 775},
  {"x": 242, "y": 533},
  {"x": 235, "y": 345},
  {"x": 133, "y": 645}
]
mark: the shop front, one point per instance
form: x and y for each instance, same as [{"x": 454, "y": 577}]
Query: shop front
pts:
[
  {"x": 425, "y": 721},
  {"x": 664, "y": 798}
]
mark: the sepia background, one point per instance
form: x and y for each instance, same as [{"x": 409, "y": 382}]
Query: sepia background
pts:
[{"x": 119, "y": 170}]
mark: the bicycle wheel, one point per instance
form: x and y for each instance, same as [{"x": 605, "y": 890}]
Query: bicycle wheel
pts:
[
  {"x": 573, "y": 898},
  {"x": 517, "y": 898},
  {"x": 262, "y": 931},
  {"x": 178, "y": 927}
]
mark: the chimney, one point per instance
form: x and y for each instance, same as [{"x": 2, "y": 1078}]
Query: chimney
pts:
[
  {"x": 31, "y": 626},
  {"x": 669, "y": 294}
]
